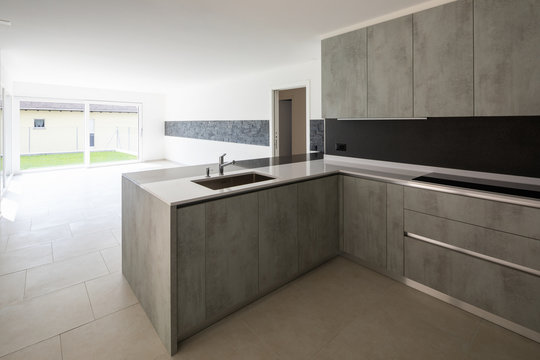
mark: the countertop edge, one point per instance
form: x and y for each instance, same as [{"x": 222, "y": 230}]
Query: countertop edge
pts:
[{"x": 347, "y": 170}]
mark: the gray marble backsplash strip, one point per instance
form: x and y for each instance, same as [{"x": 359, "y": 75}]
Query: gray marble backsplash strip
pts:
[
  {"x": 253, "y": 132},
  {"x": 316, "y": 135}
]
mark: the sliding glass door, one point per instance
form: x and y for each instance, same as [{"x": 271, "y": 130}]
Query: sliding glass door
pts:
[
  {"x": 64, "y": 133},
  {"x": 113, "y": 133},
  {"x": 51, "y": 134}
]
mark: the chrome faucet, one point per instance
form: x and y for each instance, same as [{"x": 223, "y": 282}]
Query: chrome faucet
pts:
[{"x": 223, "y": 164}]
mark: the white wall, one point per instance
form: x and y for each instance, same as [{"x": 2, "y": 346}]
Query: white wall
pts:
[
  {"x": 245, "y": 98},
  {"x": 194, "y": 151},
  {"x": 6, "y": 80},
  {"x": 153, "y": 109}
]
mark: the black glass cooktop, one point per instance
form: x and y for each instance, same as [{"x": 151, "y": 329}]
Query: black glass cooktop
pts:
[{"x": 503, "y": 187}]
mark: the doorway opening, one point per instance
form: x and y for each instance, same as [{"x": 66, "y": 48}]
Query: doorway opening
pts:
[
  {"x": 69, "y": 133},
  {"x": 290, "y": 121}
]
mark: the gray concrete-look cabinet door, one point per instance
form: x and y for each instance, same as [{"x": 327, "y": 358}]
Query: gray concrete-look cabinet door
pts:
[
  {"x": 506, "y": 52},
  {"x": 500, "y": 290},
  {"x": 364, "y": 220},
  {"x": 191, "y": 269},
  {"x": 278, "y": 236},
  {"x": 232, "y": 253},
  {"x": 318, "y": 219},
  {"x": 443, "y": 60},
  {"x": 394, "y": 229},
  {"x": 343, "y": 65},
  {"x": 390, "y": 68}
]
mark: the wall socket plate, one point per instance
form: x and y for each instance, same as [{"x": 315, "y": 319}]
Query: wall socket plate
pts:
[{"x": 341, "y": 147}]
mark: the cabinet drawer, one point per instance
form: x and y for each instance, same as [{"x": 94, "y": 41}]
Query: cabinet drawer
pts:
[
  {"x": 506, "y": 292},
  {"x": 512, "y": 248},
  {"x": 511, "y": 218}
]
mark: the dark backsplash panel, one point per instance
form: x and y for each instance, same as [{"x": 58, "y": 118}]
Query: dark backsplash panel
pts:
[{"x": 505, "y": 145}]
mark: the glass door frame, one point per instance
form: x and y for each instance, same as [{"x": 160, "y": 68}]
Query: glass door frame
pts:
[{"x": 86, "y": 142}]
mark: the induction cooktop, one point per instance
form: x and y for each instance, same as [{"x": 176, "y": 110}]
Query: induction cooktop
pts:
[{"x": 503, "y": 187}]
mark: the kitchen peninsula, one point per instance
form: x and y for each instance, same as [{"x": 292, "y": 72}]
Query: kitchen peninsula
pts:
[{"x": 193, "y": 255}]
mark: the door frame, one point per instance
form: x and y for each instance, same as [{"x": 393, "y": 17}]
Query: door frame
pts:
[
  {"x": 16, "y": 148},
  {"x": 274, "y": 113}
]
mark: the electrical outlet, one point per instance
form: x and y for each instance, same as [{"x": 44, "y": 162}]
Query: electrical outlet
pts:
[{"x": 341, "y": 147}]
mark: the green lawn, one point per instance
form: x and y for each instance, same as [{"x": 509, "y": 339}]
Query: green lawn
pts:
[{"x": 48, "y": 160}]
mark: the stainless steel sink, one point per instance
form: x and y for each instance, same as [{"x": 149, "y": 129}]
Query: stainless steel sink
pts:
[{"x": 223, "y": 182}]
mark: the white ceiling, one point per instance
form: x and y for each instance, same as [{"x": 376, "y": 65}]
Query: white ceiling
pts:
[{"x": 156, "y": 45}]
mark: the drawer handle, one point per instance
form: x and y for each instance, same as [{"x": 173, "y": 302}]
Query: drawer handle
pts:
[{"x": 474, "y": 254}]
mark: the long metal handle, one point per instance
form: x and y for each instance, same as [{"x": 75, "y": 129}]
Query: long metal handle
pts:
[{"x": 475, "y": 254}]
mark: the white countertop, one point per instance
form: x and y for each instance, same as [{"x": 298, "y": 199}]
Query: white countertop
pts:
[{"x": 177, "y": 187}]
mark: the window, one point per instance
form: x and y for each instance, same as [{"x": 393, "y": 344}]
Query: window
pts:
[{"x": 39, "y": 123}]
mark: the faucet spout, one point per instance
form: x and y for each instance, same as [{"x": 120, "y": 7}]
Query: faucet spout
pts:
[{"x": 222, "y": 164}]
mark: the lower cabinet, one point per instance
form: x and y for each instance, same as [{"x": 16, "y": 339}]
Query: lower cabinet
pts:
[
  {"x": 503, "y": 291},
  {"x": 278, "y": 236},
  {"x": 191, "y": 272},
  {"x": 232, "y": 250},
  {"x": 232, "y": 253},
  {"x": 318, "y": 221},
  {"x": 394, "y": 229},
  {"x": 364, "y": 220}
]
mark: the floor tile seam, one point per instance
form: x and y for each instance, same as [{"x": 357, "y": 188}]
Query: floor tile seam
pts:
[
  {"x": 17, "y": 301},
  {"x": 52, "y": 253},
  {"x": 61, "y": 350},
  {"x": 92, "y": 218},
  {"x": 58, "y": 334},
  {"x": 105, "y": 262},
  {"x": 78, "y": 237},
  {"x": 105, "y": 229},
  {"x": 85, "y": 253},
  {"x": 67, "y": 286},
  {"x": 42, "y": 229},
  {"x": 25, "y": 282},
  {"x": 117, "y": 310},
  {"x": 40, "y": 243},
  {"x": 89, "y": 301},
  {"x": 261, "y": 339},
  {"x": 27, "y": 268},
  {"x": 473, "y": 338},
  {"x": 98, "y": 319},
  {"x": 337, "y": 333},
  {"x": 27, "y": 346}
]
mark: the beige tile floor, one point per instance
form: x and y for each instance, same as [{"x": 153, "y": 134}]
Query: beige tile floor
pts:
[{"x": 62, "y": 295}]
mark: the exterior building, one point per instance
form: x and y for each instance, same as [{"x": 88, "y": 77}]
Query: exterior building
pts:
[{"x": 47, "y": 127}]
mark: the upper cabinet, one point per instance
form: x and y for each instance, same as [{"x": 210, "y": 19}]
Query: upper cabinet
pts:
[
  {"x": 507, "y": 53},
  {"x": 443, "y": 60},
  {"x": 344, "y": 75},
  {"x": 390, "y": 68},
  {"x": 464, "y": 58}
]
